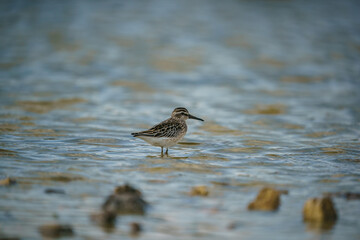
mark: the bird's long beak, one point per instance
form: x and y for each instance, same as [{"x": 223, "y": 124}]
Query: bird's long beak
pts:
[{"x": 196, "y": 118}]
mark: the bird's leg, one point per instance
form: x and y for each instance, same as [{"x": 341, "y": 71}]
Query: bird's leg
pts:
[
  {"x": 162, "y": 152},
  {"x": 167, "y": 152}
]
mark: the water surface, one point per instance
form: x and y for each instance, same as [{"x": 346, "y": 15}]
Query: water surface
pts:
[{"x": 277, "y": 83}]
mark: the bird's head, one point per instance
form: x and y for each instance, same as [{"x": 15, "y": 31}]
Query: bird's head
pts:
[{"x": 183, "y": 114}]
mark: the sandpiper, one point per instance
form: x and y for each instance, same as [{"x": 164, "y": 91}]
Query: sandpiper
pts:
[{"x": 167, "y": 133}]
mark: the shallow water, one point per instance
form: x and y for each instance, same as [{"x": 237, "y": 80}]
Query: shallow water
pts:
[{"x": 277, "y": 83}]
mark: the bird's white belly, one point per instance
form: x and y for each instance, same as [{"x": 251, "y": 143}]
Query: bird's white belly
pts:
[{"x": 162, "y": 141}]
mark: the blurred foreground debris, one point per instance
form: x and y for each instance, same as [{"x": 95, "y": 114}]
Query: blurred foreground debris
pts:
[
  {"x": 268, "y": 199},
  {"x": 8, "y": 238},
  {"x": 56, "y": 230},
  {"x": 319, "y": 210},
  {"x": 199, "y": 191},
  {"x": 346, "y": 195},
  {"x": 135, "y": 229},
  {"x": 105, "y": 219},
  {"x": 124, "y": 200},
  {"x": 7, "y": 181},
  {"x": 54, "y": 191}
]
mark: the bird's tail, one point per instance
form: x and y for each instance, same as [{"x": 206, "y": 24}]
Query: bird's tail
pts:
[{"x": 135, "y": 134}]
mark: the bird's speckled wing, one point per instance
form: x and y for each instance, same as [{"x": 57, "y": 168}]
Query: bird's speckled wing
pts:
[{"x": 167, "y": 128}]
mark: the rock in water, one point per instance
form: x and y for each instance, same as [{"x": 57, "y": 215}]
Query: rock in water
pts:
[
  {"x": 54, "y": 191},
  {"x": 268, "y": 199},
  {"x": 7, "y": 182},
  {"x": 199, "y": 191},
  {"x": 8, "y": 238},
  {"x": 56, "y": 230},
  {"x": 346, "y": 195},
  {"x": 319, "y": 210},
  {"x": 135, "y": 229},
  {"x": 105, "y": 219},
  {"x": 125, "y": 200}
]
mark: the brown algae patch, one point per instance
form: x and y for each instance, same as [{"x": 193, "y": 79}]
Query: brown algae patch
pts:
[
  {"x": 355, "y": 160},
  {"x": 157, "y": 181},
  {"x": 43, "y": 94},
  {"x": 262, "y": 164},
  {"x": 176, "y": 64},
  {"x": 87, "y": 57},
  {"x": 60, "y": 42},
  {"x": 160, "y": 170},
  {"x": 194, "y": 167},
  {"x": 83, "y": 119},
  {"x": 255, "y": 142},
  {"x": 153, "y": 160},
  {"x": 181, "y": 167},
  {"x": 320, "y": 134},
  {"x": 237, "y": 41},
  {"x": 62, "y": 177},
  {"x": 222, "y": 184},
  {"x": 112, "y": 145},
  {"x": 11, "y": 64},
  {"x": 276, "y": 93},
  {"x": 123, "y": 41},
  {"x": 8, "y": 127},
  {"x": 47, "y": 106},
  {"x": 8, "y": 116},
  {"x": 292, "y": 126},
  {"x": 302, "y": 79},
  {"x": 98, "y": 140},
  {"x": 26, "y": 118},
  {"x": 259, "y": 184},
  {"x": 217, "y": 129},
  {"x": 327, "y": 180},
  {"x": 268, "y": 61},
  {"x": 82, "y": 155},
  {"x": 270, "y": 155},
  {"x": 267, "y": 109},
  {"x": 339, "y": 175},
  {"x": 28, "y": 124},
  {"x": 263, "y": 122},
  {"x": 208, "y": 157},
  {"x": 243, "y": 149},
  {"x": 333, "y": 150},
  {"x": 42, "y": 132},
  {"x": 8, "y": 153},
  {"x": 46, "y": 131},
  {"x": 134, "y": 86},
  {"x": 45, "y": 177},
  {"x": 189, "y": 143}
]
